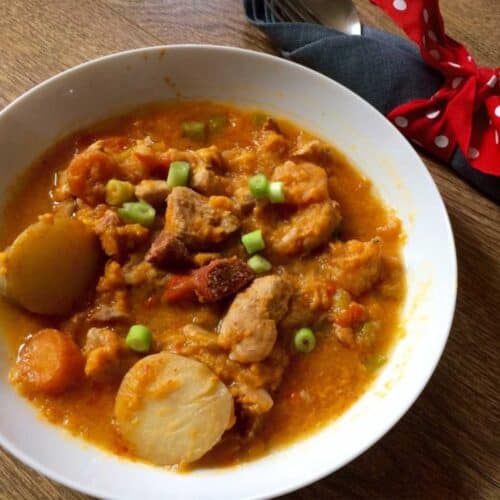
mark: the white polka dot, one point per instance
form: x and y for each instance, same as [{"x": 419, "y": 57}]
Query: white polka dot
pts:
[
  {"x": 456, "y": 82},
  {"x": 435, "y": 54},
  {"x": 473, "y": 153},
  {"x": 425, "y": 13},
  {"x": 401, "y": 121},
  {"x": 453, "y": 64},
  {"x": 399, "y": 4},
  {"x": 433, "y": 114},
  {"x": 441, "y": 141},
  {"x": 497, "y": 111},
  {"x": 469, "y": 58},
  {"x": 492, "y": 82},
  {"x": 432, "y": 35},
  {"x": 496, "y": 137}
]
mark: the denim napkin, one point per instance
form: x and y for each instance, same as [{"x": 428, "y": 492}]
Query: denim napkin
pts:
[{"x": 384, "y": 69}]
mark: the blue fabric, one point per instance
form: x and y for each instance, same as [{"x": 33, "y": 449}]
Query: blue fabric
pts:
[{"x": 384, "y": 69}]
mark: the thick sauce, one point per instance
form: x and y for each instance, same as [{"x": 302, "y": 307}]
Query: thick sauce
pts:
[{"x": 316, "y": 387}]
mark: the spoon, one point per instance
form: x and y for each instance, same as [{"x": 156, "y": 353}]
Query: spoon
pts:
[{"x": 338, "y": 14}]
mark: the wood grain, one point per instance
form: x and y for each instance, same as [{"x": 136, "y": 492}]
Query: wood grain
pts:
[{"x": 448, "y": 445}]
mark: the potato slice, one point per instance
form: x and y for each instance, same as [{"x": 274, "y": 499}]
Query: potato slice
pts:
[
  {"x": 51, "y": 265},
  {"x": 172, "y": 409}
]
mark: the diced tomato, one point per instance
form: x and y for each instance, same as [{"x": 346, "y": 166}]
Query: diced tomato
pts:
[
  {"x": 358, "y": 312},
  {"x": 354, "y": 313},
  {"x": 343, "y": 318},
  {"x": 181, "y": 287}
]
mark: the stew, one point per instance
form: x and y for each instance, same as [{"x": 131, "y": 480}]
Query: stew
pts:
[{"x": 195, "y": 284}]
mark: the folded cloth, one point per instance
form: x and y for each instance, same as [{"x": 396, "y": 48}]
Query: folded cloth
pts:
[{"x": 386, "y": 70}]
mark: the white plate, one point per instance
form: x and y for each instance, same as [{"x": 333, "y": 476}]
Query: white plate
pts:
[{"x": 107, "y": 86}]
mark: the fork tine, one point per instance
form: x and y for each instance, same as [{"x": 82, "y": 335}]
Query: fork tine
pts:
[
  {"x": 273, "y": 11},
  {"x": 281, "y": 9},
  {"x": 268, "y": 15},
  {"x": 301, "y": 12},
  {"x": 309, "y": 11}
]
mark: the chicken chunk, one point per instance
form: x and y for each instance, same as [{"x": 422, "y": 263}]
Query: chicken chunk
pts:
[
  {"x": 207, "y": 169},
  {"x": 172, "y": 409},
  {"x": 271, "y": 143},
  {"x": 107, "y": 357},
  {"x": 111, "y": 306},
  {"x": 152, "y": 191},
  {"x": 304, "y": 182},
  {"x": 255, "y": 401},
  {"x": 314, "y": 151},
  {"x": 309, "y": 303},
  {"x": 356, "y": 265},
  {"x": 305, "y": 230},
  {"x": 250, "y": 384},
  {"x": 196, "y": 221},
  {"x": 117, "y": 239},
  {"x": 249, "y": 330},
  {"x": 168, "y": 250}
]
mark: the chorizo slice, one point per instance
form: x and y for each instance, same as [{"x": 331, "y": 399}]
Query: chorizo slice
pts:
[{"x": 222, "y": 278}]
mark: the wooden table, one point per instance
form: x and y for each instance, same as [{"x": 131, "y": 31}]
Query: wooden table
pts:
[{"x": 448, "y": 445}]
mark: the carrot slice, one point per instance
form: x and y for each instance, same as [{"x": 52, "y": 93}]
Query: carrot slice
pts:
[
  {"x": 49, "y": 362},
  {"x": 88, "y": 173}
]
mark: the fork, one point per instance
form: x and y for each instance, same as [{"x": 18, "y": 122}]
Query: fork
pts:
[
  {"x": 291, "y": 11},
  {"x": 339, "y": 14}
]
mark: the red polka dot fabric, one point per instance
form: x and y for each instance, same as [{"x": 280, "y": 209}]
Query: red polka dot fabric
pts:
[{"x": 465, "y": 111}]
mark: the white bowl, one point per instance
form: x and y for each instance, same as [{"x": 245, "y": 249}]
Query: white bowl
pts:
[{"x": 108, "y": 86}]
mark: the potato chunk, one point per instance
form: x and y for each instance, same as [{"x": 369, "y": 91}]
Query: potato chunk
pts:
[
  {"x": 51, "y": 265},
  {"x": 172, "y": 409}
]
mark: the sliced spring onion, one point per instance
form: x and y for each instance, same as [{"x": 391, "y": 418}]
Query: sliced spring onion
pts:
[
  {"x": 194, "y": 130},
  {"x": 178, "y": 174},
  {"x": 217, "y": 123},
  {"x": 118, "y": 192},
  {"x": 258, "y": 185},
  {"x": 374, "y": 362},
  {"x": 304, "y": 340},
  {"x": 276, "y": 192},
  {"x": 139, "y": 338},
  {"x": 137, "y": 213},
  {"x": 253, "y": 242},
  {"x": 259, "y": 264}
]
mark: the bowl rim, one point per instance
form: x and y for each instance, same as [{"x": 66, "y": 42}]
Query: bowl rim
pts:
[{"x": 398, "y": 413}]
